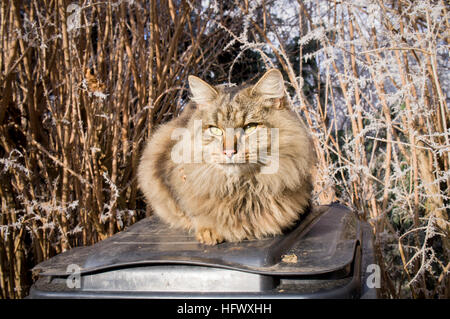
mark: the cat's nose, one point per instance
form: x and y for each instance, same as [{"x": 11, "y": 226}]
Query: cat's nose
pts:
[{"x": 229, "y": 153}]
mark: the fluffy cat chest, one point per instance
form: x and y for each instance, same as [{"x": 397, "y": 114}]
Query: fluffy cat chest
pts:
[
  {"x": 213, "y": 183},
  {"x": 220, "y": 196}
]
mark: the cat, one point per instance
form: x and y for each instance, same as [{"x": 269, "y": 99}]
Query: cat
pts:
[{"x": 224, "y": 194}]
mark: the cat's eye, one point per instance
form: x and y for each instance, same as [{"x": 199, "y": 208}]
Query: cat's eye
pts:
[
  {"x": 249, "y": 128},
  {"x": 215, "y": 130}
]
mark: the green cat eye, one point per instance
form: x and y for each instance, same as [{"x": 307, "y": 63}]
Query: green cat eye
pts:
[
  {"x": 250, "y": 128},
  {"x": 215, "y": 130}
]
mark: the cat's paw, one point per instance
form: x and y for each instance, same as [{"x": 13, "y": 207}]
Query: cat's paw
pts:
[{"x": 208, "y": 236}]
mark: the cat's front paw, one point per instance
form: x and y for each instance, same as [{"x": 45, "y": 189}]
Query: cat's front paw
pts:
[{"x": 208, "y": 236}]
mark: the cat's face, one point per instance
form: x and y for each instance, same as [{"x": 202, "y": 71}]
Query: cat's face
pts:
[{"x": 236, "y": 131}]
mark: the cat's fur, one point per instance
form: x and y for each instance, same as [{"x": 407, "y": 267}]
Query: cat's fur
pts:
[{"x": 232, "y": 202}]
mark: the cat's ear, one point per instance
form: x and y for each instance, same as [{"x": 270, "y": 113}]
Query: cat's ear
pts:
[
  {"x": 270, "y": 86},
  {"x": 202, "y": 92}
]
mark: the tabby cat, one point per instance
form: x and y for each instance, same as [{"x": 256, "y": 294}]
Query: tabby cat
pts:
[{"x": 246, "y": 169}]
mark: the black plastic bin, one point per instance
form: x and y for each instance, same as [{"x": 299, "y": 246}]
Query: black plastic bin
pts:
[{"x": 325, "y": 256}]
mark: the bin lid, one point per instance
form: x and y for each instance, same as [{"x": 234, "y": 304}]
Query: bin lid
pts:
[{"x": 323, "y": 241}]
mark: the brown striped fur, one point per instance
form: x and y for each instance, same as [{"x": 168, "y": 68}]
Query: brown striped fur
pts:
[{"x": 231, "y": 202}]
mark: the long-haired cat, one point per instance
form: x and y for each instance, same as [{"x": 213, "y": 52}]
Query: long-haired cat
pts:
[{"x": 246, "y": 168}]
